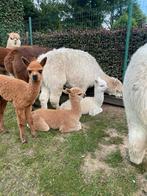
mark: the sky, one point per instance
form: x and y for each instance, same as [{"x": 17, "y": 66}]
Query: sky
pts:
[{"x": 143, "y": 5}]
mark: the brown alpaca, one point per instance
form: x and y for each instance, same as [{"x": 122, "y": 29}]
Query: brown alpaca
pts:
[
  {"x": 22, "y": 95},
  {"x": 64, "y": 120},
  {"x": 3, "y": 54},
  {"x": 14, "y": 64}
]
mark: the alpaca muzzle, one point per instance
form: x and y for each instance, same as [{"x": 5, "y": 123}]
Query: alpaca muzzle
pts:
[{"x": 34, "y": 77}]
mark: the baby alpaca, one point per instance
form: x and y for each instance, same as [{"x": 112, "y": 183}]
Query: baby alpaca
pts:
[
  {"x": 135, "y": 101},
  {"x": 13, "y": 40},
  {"x": 91, "y": 105},
  {"x": 64, "y": 120},
  {"x": 22, "y": 95}
]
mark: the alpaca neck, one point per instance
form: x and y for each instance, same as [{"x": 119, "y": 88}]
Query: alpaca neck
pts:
[
  {"x": 34, "y": 88},
  {"x": 75, "y": 105},
  {"x": 108, "y": 79},
  {"x": 98, "y": 95},
  {"x": 12, "y": 45}
]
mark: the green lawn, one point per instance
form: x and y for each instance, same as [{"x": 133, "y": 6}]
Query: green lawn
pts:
[{"x": 91, "y": 162}]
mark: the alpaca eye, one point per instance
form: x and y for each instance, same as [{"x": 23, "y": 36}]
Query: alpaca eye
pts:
[
  {"x": 80, "y": 94},
  {"x": 29, "y": 72},
  {"x": 11, "y": 38},
  {"x": 101, "y": 85},
  {"x": 40, "y": 71}
]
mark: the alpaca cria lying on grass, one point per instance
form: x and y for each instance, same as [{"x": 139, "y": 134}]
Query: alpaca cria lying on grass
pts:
[
  {"x": 135, "y": 101},
  {"x": 22, "y": 95},
  {"x": 72, "y": 67},
  {"x": 91, "y": 105},
  {"x": 13, "y": 62},
  {"x": 64, "y": 120},
  {"x": 13, "y": 40}
]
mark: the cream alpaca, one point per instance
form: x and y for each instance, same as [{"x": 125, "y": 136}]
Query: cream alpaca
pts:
[
  {"x": 13, "y": 40},
  {"x": 64, "y": 120},
  {"x": 22, "y": 95},
  {"x": 135, "y": 101},
  {"x": 91, "y": 105},
  {"x": 71, "y": 67}
]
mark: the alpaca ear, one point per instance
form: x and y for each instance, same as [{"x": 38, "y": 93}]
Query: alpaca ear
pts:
[
  {"x": 25, "y": 61},
  {"x": 43, "y": 61}
]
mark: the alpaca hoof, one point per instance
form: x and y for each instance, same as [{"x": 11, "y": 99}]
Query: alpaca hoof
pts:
[
  {"x": 34, "y": 135},
  {"x": 24, "y": 141}
]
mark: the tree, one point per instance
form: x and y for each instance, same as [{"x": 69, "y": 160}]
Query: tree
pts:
[
  {"x": 11, "y": 18},
  {"x": 138, "y": 18},
  {"x": 29, "y": 9},
  {"x": 85, "y": 13},
  {"x": 113, "y": 10}
]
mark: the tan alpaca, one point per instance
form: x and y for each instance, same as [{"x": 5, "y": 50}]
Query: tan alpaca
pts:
[
  {"x": 22, "y": 95},
  {"x": 13, "y": 40},
  {"x": 64, "y": 120}
]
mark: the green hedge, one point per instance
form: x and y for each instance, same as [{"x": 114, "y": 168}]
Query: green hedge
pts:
[
  {"x": 11, "y": 18},
  {"x": 107, "y": 47}
]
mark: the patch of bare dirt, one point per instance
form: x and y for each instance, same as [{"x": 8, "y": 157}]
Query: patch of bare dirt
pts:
[
  {"x": 114, "y": 110},
  {"x": 96, "y": 162}
]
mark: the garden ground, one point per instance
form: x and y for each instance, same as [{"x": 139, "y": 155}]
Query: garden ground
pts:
[{"x": 91, "y": 162}]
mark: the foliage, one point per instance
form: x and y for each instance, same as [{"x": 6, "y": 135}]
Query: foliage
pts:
[
  {"x": 106, "y": 46},
  {"x": 138, "y": 18},
  {"x": 11, "y": 18},
  {"x": 30, "y": 10}
]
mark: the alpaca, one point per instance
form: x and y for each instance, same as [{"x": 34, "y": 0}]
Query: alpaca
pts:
[
  {"x": 64, "y": 120},
  {"x": 3, "y": 54},
  {"x": 13, "y": 40},
  {"x": 135, "y": 102},
  {"x": 14, "y": 64},
  {"x": 71, "y": 67},
  {"x": 22, "y": 95},
  {"x": 91, "y": 105}
]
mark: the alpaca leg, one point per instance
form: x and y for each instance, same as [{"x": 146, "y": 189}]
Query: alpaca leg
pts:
[
  {"x": 95, "y": 111},
  {"x": 44, "y": 97},
  {"x": 68, "y": 129},
  {"x": 21, "y": 119},
  {"x": 55, "y": 97},
  {"x": 3, "y": 104},
  {"x": 39, "y": 123},
  {"x": 30, "y": 120},
  {"x": 137, "y": 138}
]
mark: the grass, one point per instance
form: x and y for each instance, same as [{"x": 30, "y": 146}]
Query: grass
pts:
[{"x": 52, "y": 164}]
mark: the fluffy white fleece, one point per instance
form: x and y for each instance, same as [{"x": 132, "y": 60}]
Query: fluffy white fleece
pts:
[
  {"x": 71, "y": 67},
  {"x": 91, "y": 105},
  {"x": 135, "y": 101},
  {"x": 13, "y": 40}
]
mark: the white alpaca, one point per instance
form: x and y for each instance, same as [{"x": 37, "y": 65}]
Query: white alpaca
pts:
[
  {"x": 13, "y": 40},
  {"x": 135, "y": 101},
  {"x": 91, "y": 105},
  {"x": 71, "y": 67}
]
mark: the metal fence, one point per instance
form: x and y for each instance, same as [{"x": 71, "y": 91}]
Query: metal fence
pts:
[{"x": 86, "y": 20}]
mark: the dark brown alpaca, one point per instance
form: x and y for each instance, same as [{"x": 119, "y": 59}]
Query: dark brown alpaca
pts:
[
  {"x": 3, "y": 54},
  {"x": 14, "y": 64},
  {"x": 22, "y": 95}
]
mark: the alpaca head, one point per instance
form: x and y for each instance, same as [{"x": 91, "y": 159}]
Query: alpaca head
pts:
[
  {"x": 74, "y": 92},
  {"x": 13, "y": 40},
  {"x": 34, "y": 69},
  {"x": 115, "y": 87},
  {"x": 100, "y": 85}
]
